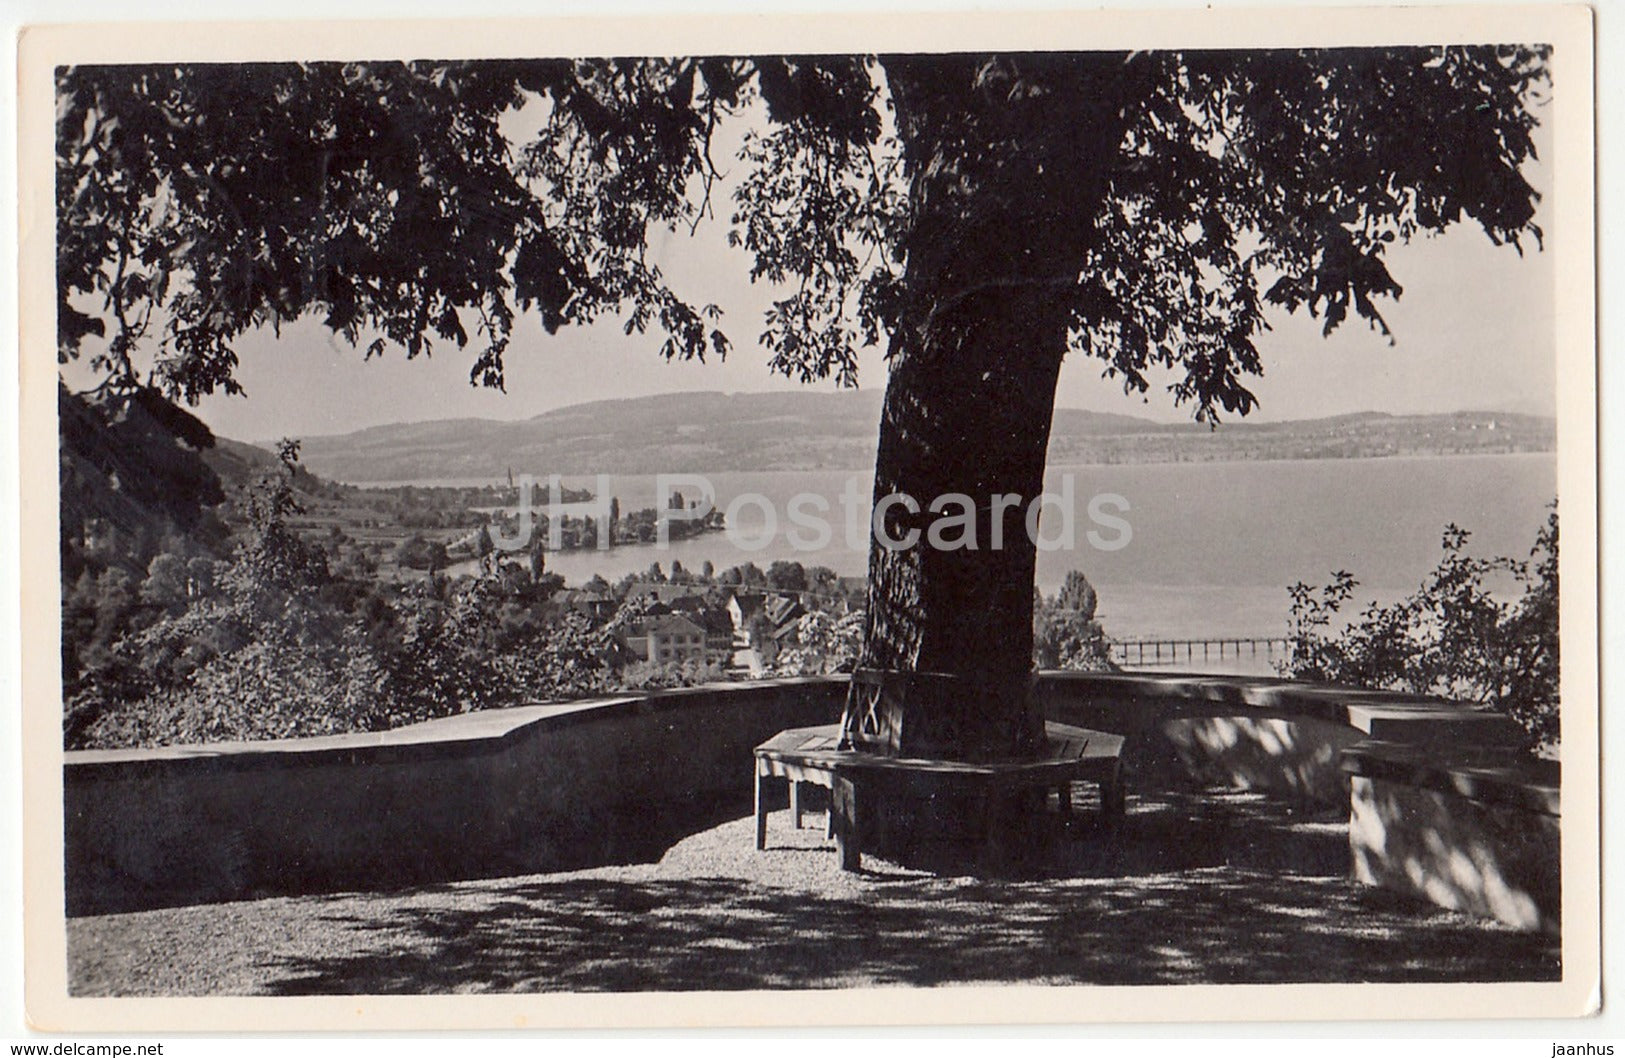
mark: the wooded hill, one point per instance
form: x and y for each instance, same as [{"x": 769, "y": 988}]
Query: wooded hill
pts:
[{"x": 717, "y": 432}]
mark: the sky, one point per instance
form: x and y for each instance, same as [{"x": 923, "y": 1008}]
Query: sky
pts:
[{"x": 1472, "y": 331}]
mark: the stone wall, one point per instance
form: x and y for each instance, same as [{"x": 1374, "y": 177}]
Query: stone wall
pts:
[
  {"x": 1478, "y": 833},
  {"x": 555, "y": 787},
  {"x": 1279, "y": 736},
  {"x": 523, "y": 790}
]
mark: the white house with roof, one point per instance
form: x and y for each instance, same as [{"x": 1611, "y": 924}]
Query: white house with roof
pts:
[{"x": 667, "y": 638}]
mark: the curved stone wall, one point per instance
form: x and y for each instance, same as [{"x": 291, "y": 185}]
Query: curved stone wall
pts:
[
  {"x": 555, "y": 787},
  {"x": 539, "y": 788}
]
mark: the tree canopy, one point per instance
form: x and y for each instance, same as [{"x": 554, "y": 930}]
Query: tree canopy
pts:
[
  {"x": 980, "y": 215},
  {"x": 1197, "y": 189}
]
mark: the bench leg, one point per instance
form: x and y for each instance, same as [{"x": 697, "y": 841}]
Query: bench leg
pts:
[
  {"x": 795, "y": 803},
  {"x": 1064, "y": 796},
  {"x": 1112, "y": 798},
  {"x": 990, "y": 843},
  {"x": 843, "y": 816},
  {"x": 761, "y": 810}
]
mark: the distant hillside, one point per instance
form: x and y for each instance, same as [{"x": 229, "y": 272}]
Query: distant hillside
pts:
[
  {"x": 717, "y": 432},
  {"x": 675, "y": 432},
  {"x": 1365, "y": 435}
]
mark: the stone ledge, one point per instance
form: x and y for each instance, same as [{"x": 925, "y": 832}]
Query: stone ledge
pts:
[
  {"x": 482, "y": 731},
  {"x": 1475, "y": 830},
  {"x": 1482, "y": 774},
  {"x": 1380, "y": 714},
  {"x": 525, "y": 790}
]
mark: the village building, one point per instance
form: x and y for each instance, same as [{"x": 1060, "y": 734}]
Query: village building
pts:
[
  {"x": 666, "y": 639},
  {"x": 597, "y": 606}
]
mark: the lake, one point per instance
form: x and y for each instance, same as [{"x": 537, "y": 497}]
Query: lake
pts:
[{"x": 1197, "y": 549}]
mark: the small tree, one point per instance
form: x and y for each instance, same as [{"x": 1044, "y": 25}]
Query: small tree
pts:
[
  {"x": 1065, "y": 632},
  {"x": 413, "y": 552},
  {"x": 1077, "y": 596},
  {"x": 482, "y": 545},
  {"x": 274, "y": 555},
  {"x": 824, "y": 644},
  {"x": 787, "y": 576},
  {"x": 167, "y": 583}
]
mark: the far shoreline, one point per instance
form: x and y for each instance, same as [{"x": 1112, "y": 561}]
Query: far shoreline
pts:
[{"x": 575, "y": 479}]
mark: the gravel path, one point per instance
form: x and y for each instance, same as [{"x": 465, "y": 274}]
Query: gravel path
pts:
[{"x": 1217, "y": 888}]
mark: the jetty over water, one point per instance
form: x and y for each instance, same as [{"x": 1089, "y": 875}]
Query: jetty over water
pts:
[{"x": 1134, "y": 653}]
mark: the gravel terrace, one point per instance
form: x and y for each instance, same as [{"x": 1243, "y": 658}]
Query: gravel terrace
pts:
[{"x": 1207, "y": 887}]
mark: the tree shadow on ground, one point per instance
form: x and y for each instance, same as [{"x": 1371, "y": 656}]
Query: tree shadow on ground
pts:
[{"x": 1227, "y": 889}]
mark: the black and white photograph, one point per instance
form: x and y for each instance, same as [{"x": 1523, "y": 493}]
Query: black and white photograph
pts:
[{"x": 796, "y": 520}]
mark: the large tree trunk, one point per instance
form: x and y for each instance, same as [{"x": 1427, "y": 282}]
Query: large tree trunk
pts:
[{"x": 997, "y": 238}]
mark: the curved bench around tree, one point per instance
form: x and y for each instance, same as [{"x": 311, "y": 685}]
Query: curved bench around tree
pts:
[{"x": 854, "y": 778}]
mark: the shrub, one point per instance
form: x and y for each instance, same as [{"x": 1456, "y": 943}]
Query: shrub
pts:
[
  {"x": 1455, "y": 637},
  {"x": 283, "y": 684},
  {"x": 824, "y": 643},
  {"x": 1065, "y": 632}
]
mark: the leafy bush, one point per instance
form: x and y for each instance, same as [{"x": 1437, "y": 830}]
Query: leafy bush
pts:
[
  {"x": 414, "y": 552},
  {"x": 287, "y": 682},
  {"x": 1457, "y": 636},
  {"x": 272, "y": 645},
  {"x": 466, "y": 646},
  {"x": 1065, "y": 632},
  {"x": 261, "y": 661},
  {"x": 245, "y": 650},
  {"x": 823, "y": 643}
]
